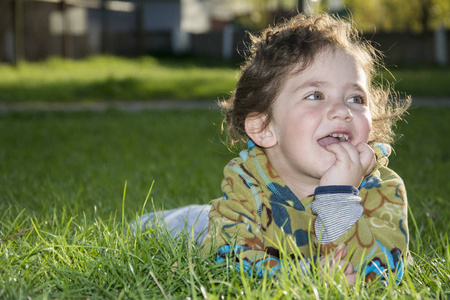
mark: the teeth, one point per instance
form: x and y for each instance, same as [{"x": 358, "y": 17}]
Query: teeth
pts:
[{"x": 342, "y": 136}]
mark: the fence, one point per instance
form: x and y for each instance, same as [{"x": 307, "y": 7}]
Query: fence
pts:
[
  {"x": 38, "y": 29},
  {"x": 398, "y": 48}
]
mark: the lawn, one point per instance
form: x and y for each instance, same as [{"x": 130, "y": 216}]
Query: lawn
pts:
[
  {"x": 106, "y": 78},
  {"x": 71, "y": 183}
]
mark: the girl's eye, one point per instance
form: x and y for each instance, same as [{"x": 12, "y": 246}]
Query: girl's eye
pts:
[
  {"x": 315, "y": 96},
  {"x": 357, "y": 99}
]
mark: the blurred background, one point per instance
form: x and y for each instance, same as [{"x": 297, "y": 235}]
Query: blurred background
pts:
[{"x": 407, "y": 31}]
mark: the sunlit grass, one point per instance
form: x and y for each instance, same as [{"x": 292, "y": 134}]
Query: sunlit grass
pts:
[
  {"x": 62, "y": 191},
  {"x": 113, "y": 78}
]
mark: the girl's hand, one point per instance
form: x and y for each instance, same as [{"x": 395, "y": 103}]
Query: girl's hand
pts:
[
  {"x": 334, "y": 260},
  {"x": 351, "y": 165}
]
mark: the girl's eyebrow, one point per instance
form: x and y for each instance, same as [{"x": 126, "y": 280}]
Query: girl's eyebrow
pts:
[
  {"x": 318, "y": 84},
  {"x": 310, "y": 83},
  {"x": 356, "y": 87}
]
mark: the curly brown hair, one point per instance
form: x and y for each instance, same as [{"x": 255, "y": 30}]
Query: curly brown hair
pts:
[{"x": 291, "y": 47}]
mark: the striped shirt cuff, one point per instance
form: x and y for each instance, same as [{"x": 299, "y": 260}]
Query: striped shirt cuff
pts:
[{"x": 338, "y": 208}]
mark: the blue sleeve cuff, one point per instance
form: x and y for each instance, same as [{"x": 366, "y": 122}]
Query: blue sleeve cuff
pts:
[{"x": 336, "y": 189}]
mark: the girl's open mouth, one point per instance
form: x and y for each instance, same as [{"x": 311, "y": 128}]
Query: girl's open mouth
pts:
[{"x": 333, "y": 138}]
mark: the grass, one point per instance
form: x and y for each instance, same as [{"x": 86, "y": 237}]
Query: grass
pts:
[
  {"x": 79, "y": 160},
  {"x": 420, "y": 81},
  {"x": 113, "y": 78},
  {"x": 105, "y": 78},
  {"x": 76, "y": 180}
]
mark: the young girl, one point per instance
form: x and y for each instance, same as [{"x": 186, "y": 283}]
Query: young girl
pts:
[{"x": 314, "y": 178}]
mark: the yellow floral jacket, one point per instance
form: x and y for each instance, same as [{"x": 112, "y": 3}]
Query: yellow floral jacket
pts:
[{"x": 259, "y": 217}]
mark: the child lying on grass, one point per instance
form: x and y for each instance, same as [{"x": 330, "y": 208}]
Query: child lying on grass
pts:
[{"x": 314, "y": 177}]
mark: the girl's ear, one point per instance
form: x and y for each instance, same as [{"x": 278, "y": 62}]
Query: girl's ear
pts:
[{"x": 260, "y": 132}]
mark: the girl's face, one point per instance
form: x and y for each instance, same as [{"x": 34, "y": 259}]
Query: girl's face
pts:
[{"x": 326, "y": 103}]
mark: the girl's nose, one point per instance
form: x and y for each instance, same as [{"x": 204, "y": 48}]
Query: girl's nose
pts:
[{"x": 340, "y": 111}]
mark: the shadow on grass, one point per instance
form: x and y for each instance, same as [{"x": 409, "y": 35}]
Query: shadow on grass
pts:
[{"x": 124, "y": 89}]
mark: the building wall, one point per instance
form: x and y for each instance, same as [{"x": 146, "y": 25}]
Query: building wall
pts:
[{"x": 162, "y": 16}]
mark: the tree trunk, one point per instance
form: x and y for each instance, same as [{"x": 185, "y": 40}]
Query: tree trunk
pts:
[
  {"x": 300, "y": 6},
  {"x": 426, "y": 14}
]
